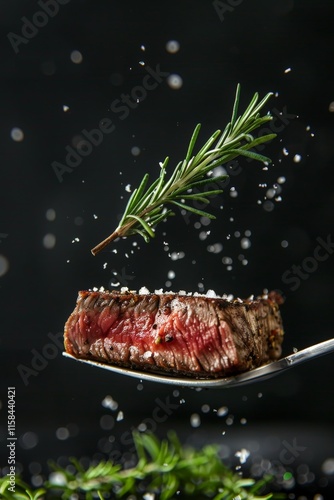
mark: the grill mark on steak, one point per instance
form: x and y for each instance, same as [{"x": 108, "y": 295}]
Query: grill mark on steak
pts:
[{"x": 192, "y": 335}]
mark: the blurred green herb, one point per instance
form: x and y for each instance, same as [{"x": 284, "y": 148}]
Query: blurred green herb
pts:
[
  {"x": 146, "y": 206},
  {"x": 165, "y": 469}
]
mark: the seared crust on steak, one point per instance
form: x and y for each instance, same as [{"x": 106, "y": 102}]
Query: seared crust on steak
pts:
[{"x": 192, "y": 335}]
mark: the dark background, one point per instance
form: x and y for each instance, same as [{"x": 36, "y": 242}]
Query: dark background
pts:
[{"x": 252, "y": 43}]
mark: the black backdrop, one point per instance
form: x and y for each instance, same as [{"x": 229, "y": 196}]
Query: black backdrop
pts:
[{"x": 68, "y": 75}]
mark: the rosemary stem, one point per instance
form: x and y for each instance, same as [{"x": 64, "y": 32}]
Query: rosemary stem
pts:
[
  {"x": 146, "y": 206},
  {"x": 105, "y": 242}
]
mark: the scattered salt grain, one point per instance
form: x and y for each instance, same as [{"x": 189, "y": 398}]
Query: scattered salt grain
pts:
[
  {"x": 171, "y": 275},
  {"x": 120, "y": 416},
  {"x": 49, "y": 241},
  {"x": 147, "y": 355},
  {"x": 148, "y": 496},
  {"x": 128, "y": 188},
  {"x": 76, "y": 240},
  {"x": 285, "y": 152},
  {"x": 172, "y": 46},
  {"x": 62, "y": 433},
  {"x": 270, "y": 193},
  {"x": 245, "y": 243},
  {"x": 195, "y": 420},
  {"x": 76, "y": 57},
  {"x": 287, "y": 70},
  {"x": 144, "y": 291},
  {"x": 17, "y": 134},
  {"x": 135, "y": 151},
  {"x": 177, "y": 255},
  {"x": 268, "y": 206},
  {"x": 57, "y": 478},
  {"x": 65, "y": 108},
  {"x": 174, "y": 81},
  {"x": 222, "y": 411},
  {"x": 211, "y": 294},
  {"x": 110, "y": 403},
  {"x": 230, "y": 420},
  {"x": 141, "y": 63},
  {"x": 243, "y": 454},
  {"x": 50, "y": 214},
  {"x": 215, "y": 248},
  {"x": 297, "y": 158}
]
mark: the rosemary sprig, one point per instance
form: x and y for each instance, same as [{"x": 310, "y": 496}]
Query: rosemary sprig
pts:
[
  {"x": 146, "y": 206},
  {"x": 165, "y": 469}
]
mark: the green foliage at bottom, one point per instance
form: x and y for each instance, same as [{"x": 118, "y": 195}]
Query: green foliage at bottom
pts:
[{"x": 164, "y": 468}]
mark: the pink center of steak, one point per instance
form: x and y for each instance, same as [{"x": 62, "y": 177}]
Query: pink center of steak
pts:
[{"x": 171, "y": 332}]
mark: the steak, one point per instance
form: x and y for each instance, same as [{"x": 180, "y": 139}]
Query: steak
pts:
[{"x": 189, "y": 334}]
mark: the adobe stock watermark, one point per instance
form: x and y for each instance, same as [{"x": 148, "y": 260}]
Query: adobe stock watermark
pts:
[
  {"x": 121, "y": 107},
  {"x": 31, "y": 28},
  {"x": 40, "y": 358},
  {"x": 91, "y": 139},
  {"x": 301, "y": 272},
  {"x": 120, "y": 278},
  {"x": 290, "y": 452},
  {"x": 165, "y": 408},
  {"x": 281, "y": 469},
  {"x": 222, "y": 8}
]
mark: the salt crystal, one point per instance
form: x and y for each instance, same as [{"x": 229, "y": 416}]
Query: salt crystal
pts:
[
  {"x": 297, "y": 158},
  {"x": 195, "y": 420},
  {"x": 243, "y": 454},
  {"x": 211, "y": 294},
  {"x": 222, "y": 411},
  {"x": 65, "y": 108},
  {"x": 245, "y": 243},
  {"x": 128, "y": 188},
  {"x": 120, "y": 416},
  {"x": 174, "y": 81},
  {"x": 109, "y": 402},
  {"x": 287, "y": 70},
  {"x": 17, "y": 134},
  {"x": 172, "y": 46},
  {"x": 285, "y": 152},
  {"x": 144, "y": 291},
  {"x": 147, "y": 354}
]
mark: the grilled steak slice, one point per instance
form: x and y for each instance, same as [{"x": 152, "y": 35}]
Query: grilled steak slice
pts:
[{"x": 191, "y": 335}]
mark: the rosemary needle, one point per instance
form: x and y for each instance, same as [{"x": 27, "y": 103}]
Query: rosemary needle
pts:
[{"x": 147, "y": 204}]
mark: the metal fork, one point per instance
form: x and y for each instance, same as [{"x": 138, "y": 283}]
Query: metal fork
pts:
[{"x": 263, "y": 372}]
